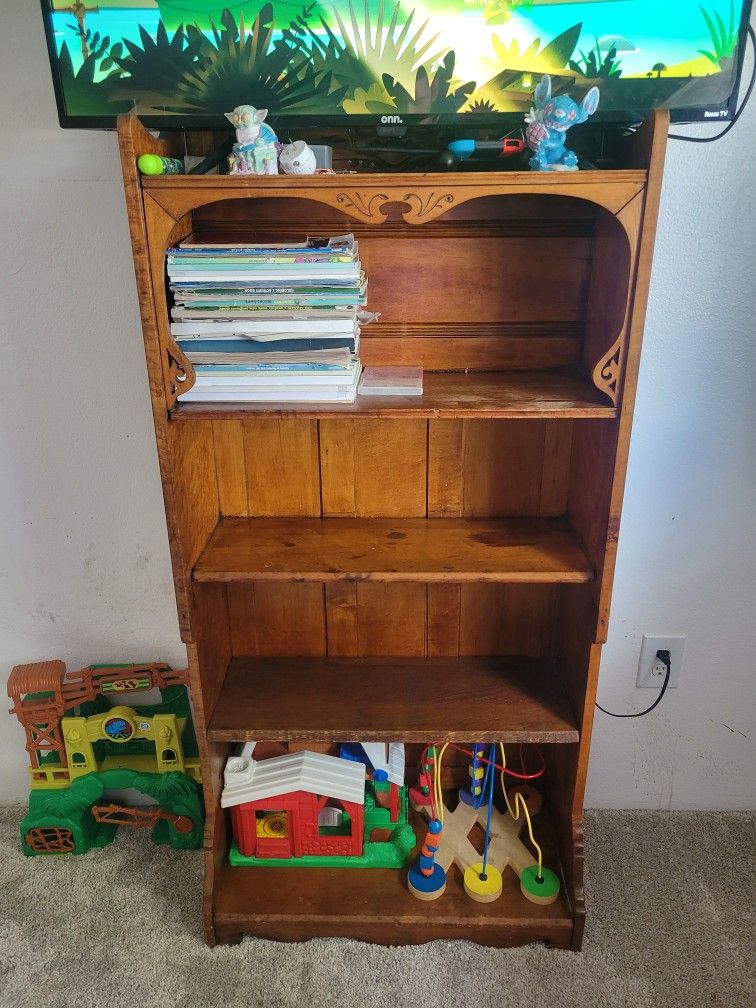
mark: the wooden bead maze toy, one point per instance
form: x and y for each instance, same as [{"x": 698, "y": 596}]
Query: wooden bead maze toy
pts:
[{"x": 448, "y": 839}]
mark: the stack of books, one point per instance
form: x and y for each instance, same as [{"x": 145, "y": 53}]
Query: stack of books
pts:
[{"x": 269, "y": 323}]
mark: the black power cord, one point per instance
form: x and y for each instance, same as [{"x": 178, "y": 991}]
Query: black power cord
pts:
[
  {"x": 736, "y": 116},
  {"x": 663, "y": 656}
]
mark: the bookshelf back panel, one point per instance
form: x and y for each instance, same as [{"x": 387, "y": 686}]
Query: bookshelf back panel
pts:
[
  {"x": 346, "y": 619},
  {"x": 389, "y": 468},
  {"x": 496, "y": 283},
  {"x": 482, "y": 279}
]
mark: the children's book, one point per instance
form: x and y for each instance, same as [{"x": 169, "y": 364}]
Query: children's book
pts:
[
  {"x": 309, "y": 373},
  {"x": 295, "y": 392}
]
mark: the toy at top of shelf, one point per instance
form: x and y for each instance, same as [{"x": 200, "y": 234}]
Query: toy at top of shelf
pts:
[
  {"x": 548, "y": 122},
  {"x": 297, "y": 159},
  {"x": 154, "y": 164},
  {"x": 256, "y": 149}
]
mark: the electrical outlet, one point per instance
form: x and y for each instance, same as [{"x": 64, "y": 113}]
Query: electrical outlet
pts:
[{"x": 651, "y": 670}]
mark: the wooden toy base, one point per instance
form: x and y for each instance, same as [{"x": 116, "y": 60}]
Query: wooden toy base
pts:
[{"x": 505, "y": 850}]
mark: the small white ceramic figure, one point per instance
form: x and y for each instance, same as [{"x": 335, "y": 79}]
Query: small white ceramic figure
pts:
[
  {"x": 297, "y": 159},
  {"x": 255, "y": 151}
]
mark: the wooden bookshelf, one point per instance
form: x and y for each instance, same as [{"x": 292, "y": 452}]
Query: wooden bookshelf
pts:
[
  {"x": 515, "y": 699},
  {"x": 417, "y": 569}
]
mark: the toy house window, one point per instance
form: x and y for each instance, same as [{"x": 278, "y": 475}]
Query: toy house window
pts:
[
  {"x": 333, "y": 820},
  {"x": 168, "y": 756},
  {"x": 78, "y": 759}
]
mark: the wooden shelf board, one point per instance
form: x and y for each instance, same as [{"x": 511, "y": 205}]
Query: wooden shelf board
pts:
[
  {"x": 539, "y": 395},
  {"x": 374, "y": 905},
  {"x": 455, "y": 550},
  {"x": 382, "y": 699},
  {"x": 398, "y": 180}
]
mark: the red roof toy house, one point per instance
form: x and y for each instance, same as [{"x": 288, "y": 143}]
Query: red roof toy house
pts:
[{"x": 298, "y": 805}]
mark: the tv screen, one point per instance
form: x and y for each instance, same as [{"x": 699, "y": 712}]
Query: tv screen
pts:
[{"x": 472, "y": 62}]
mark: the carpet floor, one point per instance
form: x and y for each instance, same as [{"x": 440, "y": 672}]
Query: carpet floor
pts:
[{"x": 670, "y": 924}]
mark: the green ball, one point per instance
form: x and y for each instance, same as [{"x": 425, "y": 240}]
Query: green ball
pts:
[{"x": 150, "y": 164}]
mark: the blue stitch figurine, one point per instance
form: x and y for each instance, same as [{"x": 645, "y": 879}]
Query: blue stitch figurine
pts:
[{"x": 548, "y": 123}]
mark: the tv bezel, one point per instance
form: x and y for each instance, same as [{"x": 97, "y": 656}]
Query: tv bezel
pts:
[{"x": 476, "y": 121}]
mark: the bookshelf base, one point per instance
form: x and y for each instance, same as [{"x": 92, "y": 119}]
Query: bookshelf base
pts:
[{"x": 374, "y": 905}]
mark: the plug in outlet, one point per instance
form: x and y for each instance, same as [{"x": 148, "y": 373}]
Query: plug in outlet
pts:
[{"x": 651, "y": 670}]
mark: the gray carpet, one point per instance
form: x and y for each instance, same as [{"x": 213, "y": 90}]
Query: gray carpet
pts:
[{"x": 671, "y": 923}]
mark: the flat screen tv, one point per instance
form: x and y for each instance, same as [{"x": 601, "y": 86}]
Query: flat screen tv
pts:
[{"x": 342, "y": 62}]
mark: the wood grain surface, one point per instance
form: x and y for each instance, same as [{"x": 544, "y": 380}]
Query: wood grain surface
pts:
[
  {"x": 407, "y": 549},
  {"x": 375, "y": 905},
  {"x": 488, "y": 395},
  {"x": 381, "y": 699}
]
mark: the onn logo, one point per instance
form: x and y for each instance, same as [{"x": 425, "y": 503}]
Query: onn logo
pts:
[{"x": 390, "y": 120}]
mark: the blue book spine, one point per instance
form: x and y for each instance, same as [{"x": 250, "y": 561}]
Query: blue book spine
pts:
[
  {"x": 262, "y": 367},
  {"x": 267, "y": 346}
]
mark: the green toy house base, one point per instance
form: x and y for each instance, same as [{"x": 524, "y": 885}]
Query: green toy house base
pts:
[
  {"x": 62, "y": 821},
  {"x": 392, "y": 853}
]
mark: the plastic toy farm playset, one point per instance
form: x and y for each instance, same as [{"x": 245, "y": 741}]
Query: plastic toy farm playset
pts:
[{"x": 102, "y": 730}]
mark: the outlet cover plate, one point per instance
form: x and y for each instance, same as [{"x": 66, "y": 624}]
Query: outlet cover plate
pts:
[{"x": 675, "y": 644}]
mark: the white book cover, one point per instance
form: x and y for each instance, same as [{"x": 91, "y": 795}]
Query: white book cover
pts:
[
  {"x": 238, "y": 275},
  {"x": 269, "y": 329},
  {"x": 273, "y": 378},
  {"x": 230, "y": 357},
  {"x": 270, "y": 393},
  {"x": 345, "y": 242}
]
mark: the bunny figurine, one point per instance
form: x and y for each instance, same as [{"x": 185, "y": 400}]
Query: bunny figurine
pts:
[
  {"x": 548, "y": 123},
  {"x": 256, "y": 149}
]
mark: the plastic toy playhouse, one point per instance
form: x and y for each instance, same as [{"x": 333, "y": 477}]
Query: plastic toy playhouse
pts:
[
  {"x": 311, "y": 809},
  {"x": 83, "y": 743}
]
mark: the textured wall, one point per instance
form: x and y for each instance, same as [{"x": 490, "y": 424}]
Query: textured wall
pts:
[{"x": 84, "y": 569}]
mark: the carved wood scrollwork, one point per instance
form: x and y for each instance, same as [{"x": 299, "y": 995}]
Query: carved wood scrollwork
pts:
[
  {"x": 606, "y": 374},
  {"x": 425, "y": 205},
  {"x": 363, "y": 206},
  {"x": 179, "y": 375}
]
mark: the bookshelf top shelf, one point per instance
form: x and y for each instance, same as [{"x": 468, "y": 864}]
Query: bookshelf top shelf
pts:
[
  {"x": 528, "y": 395},
  {"x": 366, "y": 197},
  {"x": 398, "y": 180}
]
